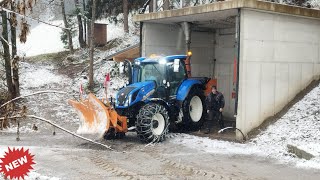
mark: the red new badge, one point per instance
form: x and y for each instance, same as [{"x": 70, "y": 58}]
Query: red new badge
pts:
[{"x": 16, "y": 163}]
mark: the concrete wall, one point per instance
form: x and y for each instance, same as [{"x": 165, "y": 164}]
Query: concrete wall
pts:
[
  {"x": 279, "y": 57},
  {"x": 162, "y": 39},
  {"x": 202, "y": 47},
  {"x": 224, "y": 54}
]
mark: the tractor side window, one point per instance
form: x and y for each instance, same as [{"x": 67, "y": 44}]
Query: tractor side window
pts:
[{"x": 175, "y": 78}]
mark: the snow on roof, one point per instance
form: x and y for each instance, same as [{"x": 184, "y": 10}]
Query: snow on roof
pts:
[{"x": 224, "y": 8}]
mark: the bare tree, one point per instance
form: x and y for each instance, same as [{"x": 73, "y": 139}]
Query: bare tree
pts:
[
  {"x": 13, "y": 24},
  {"x": 6, "y": 53},
  {"x": 15, "y": 75},
  {"x": 66, "y": 25},
  {"x": 125, "y": 16},
  {"x": 91, "y": 44},
  {"x": 11, "y": 69},
  {"x": 84, "y": 22},
  {"x": 80, "y": 24},
  {"x": 151, "y": 6}
]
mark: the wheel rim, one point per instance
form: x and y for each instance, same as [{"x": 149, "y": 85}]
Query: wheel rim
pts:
[
  {"x": 158, "y": 124},
  {"x": 195, "y": 109}
]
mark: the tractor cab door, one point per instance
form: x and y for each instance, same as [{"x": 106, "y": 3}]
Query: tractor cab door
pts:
[{"x": 176, "y": 73}]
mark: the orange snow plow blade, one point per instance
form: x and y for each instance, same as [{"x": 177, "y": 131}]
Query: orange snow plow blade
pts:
[{"x": 97, "y": 117}]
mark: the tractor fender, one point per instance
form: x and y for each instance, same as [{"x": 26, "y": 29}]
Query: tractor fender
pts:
[
  {"x": 160, "y": 101},
  {"x": 185, "y": 88}
]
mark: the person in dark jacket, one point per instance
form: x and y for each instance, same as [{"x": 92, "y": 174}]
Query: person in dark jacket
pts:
[{"x": 214, "y": 106}]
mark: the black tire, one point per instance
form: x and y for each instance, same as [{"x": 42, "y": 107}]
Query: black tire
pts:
[
  {"x": 152, "y": 123},
  {"x": 195, "y": 120}
]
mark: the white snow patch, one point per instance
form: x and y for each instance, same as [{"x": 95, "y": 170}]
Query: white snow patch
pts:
[
  {"x": 216, "y": 146},
  {"x": 22, "y": 129},
  {"x": 40, "y": 77},
  {"x": 36, "y": 176},
  {"x": 42, "y": 39}
]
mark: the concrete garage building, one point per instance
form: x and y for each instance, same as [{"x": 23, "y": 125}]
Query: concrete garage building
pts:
[{"x": 262, "y": 54}]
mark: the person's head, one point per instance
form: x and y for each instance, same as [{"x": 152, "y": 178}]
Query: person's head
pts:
[{"x": 214, "y": 89}]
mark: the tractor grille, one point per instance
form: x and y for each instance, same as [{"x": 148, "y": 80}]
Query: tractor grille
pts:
[{"x": 123, "y": 95}]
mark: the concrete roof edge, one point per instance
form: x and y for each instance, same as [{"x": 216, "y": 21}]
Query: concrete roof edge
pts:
[
  {"x": 233, "y": 4},
  {"x": 282, "y": 8}
]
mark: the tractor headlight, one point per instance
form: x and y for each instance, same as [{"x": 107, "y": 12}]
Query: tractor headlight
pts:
[
  {"x": 128, "y": 100},
  {"x": 126, "y": 103}
]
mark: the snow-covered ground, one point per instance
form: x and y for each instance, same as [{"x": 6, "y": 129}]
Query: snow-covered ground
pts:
[{"x": 300, "y": 127}]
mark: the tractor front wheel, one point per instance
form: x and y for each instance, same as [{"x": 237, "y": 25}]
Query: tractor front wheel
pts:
[{"x": 152, "y": 123}]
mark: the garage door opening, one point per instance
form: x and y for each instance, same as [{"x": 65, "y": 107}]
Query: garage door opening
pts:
[{"x": 214, "y": 46}]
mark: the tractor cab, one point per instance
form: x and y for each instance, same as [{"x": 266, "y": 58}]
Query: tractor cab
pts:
[{"x": 166, "y": 72}]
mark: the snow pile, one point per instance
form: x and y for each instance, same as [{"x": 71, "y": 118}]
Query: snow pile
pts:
[{"x": 300, "y": 127}]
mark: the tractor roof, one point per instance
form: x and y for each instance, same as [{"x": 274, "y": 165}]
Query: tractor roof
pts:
[{"x": 155, "y": 58}]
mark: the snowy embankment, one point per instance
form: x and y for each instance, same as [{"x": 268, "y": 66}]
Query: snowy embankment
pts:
[
  {"x": 42, "y": 39},
  {"x": 300, "y": 127}
]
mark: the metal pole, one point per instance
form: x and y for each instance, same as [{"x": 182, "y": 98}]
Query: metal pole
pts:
[
  {"x": 155, "y": 3},
  {"x": 237, "y": 59}
]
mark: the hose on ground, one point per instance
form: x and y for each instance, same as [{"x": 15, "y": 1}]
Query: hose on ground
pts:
[{"x": 222, "y": 130}]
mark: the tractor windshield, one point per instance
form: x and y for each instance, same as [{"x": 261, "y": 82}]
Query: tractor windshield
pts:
[{"x": 152, "y": 72}]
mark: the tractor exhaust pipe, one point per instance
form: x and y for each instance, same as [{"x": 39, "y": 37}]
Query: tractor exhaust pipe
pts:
[
  {"x": 128, "y": 64},
  {"x": 186, "y": 27}
]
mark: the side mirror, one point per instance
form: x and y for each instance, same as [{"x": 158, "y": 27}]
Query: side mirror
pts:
[{"x": 176, "y": 65}]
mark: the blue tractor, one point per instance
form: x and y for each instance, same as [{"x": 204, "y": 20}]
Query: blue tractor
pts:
[{"x": 161, "y": 94}]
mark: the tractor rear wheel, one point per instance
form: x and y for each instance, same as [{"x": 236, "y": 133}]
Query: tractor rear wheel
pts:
[
  {"x": 194, "y": 109},
  {"x": 152, "y": 123}
]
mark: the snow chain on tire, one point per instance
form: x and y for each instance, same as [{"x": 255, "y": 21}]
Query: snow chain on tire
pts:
[{"x": 144, "y": 123}]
